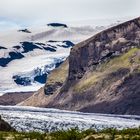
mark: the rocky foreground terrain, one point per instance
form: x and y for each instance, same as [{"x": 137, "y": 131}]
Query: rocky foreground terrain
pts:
[
  {"x": 4, "y": 126},
  {"x": 101, "y": 75}
]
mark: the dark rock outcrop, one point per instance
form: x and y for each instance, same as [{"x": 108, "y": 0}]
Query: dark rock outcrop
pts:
[
  {"x": 12, "y": 56},
  {"x": 4, "y": 126},
  {"x": 29, "y": 46},
  {"x": 57, "y": 25},
  {"x": 51, "y": 88},
  {"x": 24, "y": 30},
  {"x": 2, "y": 48}
]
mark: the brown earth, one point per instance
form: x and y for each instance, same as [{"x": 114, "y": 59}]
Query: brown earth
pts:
[{"x": 14, "y": 98}]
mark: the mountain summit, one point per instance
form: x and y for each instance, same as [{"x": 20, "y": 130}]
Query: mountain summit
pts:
[{"x": 101, "y": 75}]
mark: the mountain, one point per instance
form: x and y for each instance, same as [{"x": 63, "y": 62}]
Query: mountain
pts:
[
  {"x": 28, "y": 55},
  {"x": 101, "y": 74}
]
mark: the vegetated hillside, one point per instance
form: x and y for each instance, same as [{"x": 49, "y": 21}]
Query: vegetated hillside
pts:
[
  {"x": 76, "y": 134},
  {"x": 103, "y": 74}
]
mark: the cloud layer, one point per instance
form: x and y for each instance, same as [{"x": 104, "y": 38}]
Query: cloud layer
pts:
[{"x": 40, "y": 11}]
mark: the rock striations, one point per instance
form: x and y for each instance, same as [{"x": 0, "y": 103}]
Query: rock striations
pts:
[{"x": 101, "y": 74}]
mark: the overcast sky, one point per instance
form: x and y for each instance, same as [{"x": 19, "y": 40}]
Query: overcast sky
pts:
[{"x": 29, "y": 12}]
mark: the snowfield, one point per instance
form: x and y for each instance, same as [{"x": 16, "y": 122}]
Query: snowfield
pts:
[
  {"x": 45, "y": 119},
  {"x": 21, "y": 72},
  {"x": 28, "y": 55}
]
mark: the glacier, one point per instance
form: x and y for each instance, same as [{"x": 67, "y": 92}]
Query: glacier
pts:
[{"x": 49, "y": 119}]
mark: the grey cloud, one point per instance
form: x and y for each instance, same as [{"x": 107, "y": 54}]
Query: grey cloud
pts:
[{"x": 28, "y": 11}]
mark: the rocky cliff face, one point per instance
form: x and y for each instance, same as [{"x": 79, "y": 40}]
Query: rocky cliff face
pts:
[
  {"x": 109, "y": 43},
  {"x": 103, "y": 74}
]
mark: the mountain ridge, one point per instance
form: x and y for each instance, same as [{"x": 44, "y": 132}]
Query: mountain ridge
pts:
[{"x": 103, "y": 74}]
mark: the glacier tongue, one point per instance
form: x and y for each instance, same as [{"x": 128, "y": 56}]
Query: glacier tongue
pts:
[{"x": 45, "y": 119}]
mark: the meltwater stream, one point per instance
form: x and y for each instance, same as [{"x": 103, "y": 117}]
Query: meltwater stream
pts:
[{"x": 46, "y": 119}]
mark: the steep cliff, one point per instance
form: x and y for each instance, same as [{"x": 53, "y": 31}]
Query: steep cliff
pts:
[{"x": 103, "y": 74}]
